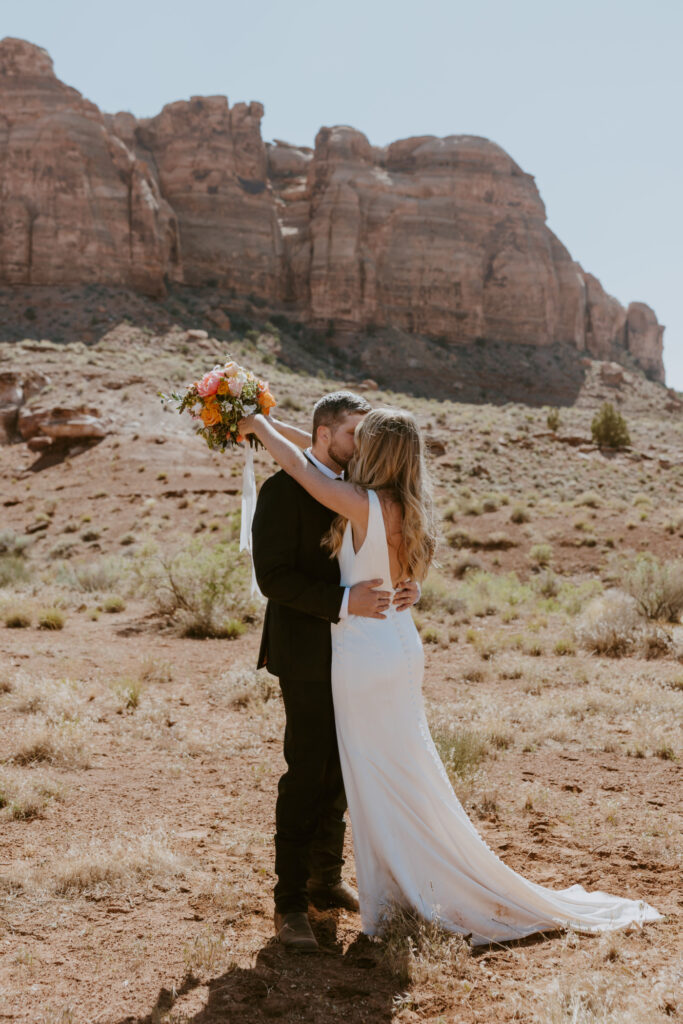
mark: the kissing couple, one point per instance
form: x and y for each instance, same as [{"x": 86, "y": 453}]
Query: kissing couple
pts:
[{"x": 342, "y": 537}]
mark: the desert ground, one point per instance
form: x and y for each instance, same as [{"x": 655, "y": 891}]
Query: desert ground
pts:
[{"x": 140, "y": 750}]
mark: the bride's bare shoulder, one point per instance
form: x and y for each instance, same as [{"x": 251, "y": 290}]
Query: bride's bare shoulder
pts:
[{"x": 392, "y": 510}]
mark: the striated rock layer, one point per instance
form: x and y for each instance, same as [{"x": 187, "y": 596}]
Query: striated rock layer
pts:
[{"x": 445, "y": 238}]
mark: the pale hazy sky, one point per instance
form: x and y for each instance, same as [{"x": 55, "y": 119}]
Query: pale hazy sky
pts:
[{"x": 585, "y": 95}]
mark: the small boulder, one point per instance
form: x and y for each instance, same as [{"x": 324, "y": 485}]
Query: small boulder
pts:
[
  {"x": 219, "y": 318},
  {"x": 435, "y": 446},
  {"x": 61, "y": 422},
  {"x": 612, "y": 375}
]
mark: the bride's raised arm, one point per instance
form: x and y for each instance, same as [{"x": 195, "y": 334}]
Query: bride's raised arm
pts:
[{"x": 341, "y": 496}]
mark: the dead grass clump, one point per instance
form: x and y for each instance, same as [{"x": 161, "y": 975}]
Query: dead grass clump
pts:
[
  {"x": 207, "y": 952},
  {"x": 25, "y": 794},
  {"x": 57, "y": 700},
  {"x": 610, "y": 625},
  {"x": 589, "y": 499},
  {"x": 62, "y": 744},
  {"x": 614, "y": 626},
  {"x": 249, "y": 690},
  {"x": 18, "y": 618},
  {"x": 600, "y": 997},
  {"x": 128, "y": 693},
  {"x": 461, "y": 750},
  {"x": 94, "y": 575},
  {"x": 99, "y": 865},
  {"x": 421, "y": 952},
  {"x": 153, "y": 671},
  {"x": 466, "y": 563}
]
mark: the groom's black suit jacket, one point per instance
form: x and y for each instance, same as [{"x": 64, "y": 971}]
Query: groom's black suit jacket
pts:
[{"x": 299, "y": 579}]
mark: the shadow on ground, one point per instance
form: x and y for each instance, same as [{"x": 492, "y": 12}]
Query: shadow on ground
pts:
[{"x": 334, "y": 984}]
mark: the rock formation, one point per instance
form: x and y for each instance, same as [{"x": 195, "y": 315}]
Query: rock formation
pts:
[
  {"x": 445, "y": 238},
  {"x": 77, "y": 203}
]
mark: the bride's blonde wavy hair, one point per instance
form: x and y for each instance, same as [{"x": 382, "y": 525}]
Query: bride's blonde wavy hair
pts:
[{"x": 390, "y": 456}]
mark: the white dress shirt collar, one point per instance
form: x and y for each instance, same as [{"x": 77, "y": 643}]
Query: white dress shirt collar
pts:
[{"x": 322, "y": 467}]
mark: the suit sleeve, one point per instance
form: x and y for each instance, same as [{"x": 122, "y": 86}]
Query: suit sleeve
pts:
[{"x": 274, "y": 534}]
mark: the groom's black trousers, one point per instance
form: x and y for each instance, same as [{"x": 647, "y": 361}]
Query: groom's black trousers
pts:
[{"x": 309, "y": 813}]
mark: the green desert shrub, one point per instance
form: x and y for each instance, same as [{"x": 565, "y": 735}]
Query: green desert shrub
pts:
[
  {"x": 553, "y": 420},
  {"x": 202, "y": 589},
  {"x": 13, "y": 566},
  {"x": 50, "y": 618},
  {"x": 609, "y": 429},
  {"x": 541, "y": 555},
  {"x": 519, "y": 515},
  {"x": 13, "y": 570},
  {"x": 656, "y": 587}
]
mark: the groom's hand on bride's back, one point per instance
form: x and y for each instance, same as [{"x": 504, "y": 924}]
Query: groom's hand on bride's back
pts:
[
  {"x": 366, "y": 600},
  {"x": 407, "y": 594}
]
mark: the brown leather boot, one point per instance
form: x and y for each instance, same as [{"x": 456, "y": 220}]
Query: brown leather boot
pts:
[
  {"x": 294, "y": 931},
  {"x": 340, "y": 894}
]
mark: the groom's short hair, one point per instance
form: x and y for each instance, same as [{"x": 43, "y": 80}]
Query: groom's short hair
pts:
[{"x": 330, "y": 409}]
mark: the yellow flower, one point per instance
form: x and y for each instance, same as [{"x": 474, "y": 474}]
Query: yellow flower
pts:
[
  {"x": 223, "y": 388},
  {"x": 211, "y": 414}
]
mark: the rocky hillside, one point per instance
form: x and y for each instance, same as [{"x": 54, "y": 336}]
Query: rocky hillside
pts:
[{"x": 444, "y": 239}]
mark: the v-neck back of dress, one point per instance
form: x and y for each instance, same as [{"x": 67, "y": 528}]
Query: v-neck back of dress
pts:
[{"x": 371, "y": 561}]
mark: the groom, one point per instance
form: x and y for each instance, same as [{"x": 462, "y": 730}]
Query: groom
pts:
[{"x": 302, "y": 585}]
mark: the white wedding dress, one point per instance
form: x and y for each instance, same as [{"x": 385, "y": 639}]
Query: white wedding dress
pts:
[{"x": 413, "y": 842}]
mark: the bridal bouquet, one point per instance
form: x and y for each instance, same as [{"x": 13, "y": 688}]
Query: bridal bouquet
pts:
[{"x": 221, "y": 399}]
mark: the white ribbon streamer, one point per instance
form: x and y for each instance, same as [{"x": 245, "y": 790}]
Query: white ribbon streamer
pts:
[{"x": 248, "y": 509}]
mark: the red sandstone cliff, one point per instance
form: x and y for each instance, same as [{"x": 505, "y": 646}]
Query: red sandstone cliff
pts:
[{"x": 441, "y": 237}]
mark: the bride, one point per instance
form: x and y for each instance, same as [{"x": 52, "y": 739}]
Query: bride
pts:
[{"x": 413, "y": 842}]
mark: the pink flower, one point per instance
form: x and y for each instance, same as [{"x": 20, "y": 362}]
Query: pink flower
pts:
[
  {"x": 208, "y": 385},
  {"x": 262, "y": 386},
  {"x": 235, "y": 385}
]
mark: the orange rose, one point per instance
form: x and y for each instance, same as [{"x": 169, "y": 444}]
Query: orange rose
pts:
[
  {"x": 223, "y": 388},
  {"x": 211, "y": 414},
  {"x": 266, "y": 402}
]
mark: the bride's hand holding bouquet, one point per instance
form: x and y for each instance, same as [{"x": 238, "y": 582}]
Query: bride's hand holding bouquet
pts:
[{"x": 221, "y": 399}]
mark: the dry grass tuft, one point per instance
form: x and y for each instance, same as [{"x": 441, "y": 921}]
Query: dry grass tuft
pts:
[
  {"x": 604, "y": 997},
  {"x": 24, "y": 794},
  {"x": 61, "y": 744},
  {"x": 249, "y": 690},
  {"x": 154, "y": 671},
  {"x": 421, "y": 952},
  {"x": 207, "y": 952},
  {"x": 614, "y": 625},
  {"x": 117, "y": 864}
]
